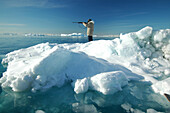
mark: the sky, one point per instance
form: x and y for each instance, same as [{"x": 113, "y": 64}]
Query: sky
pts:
[{"x": 56, "y": 16}]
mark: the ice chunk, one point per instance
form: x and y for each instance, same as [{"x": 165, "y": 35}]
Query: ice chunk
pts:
[
  {"x": 39, "y": 111},
  {"x": 162, "y": 36},
  {"x": 81, "y": 108},
  {"x": 161, "y": 40},
  {"x": 109, "y": 83},
  {"x": 144, "y": 33},
  {"x": 129, "y": 108},
  {"x": 166, "y": 51},
  {"x": 153, "y": 111},
  {"x": 106, "y": 83},
  {"x": 128, "y": 47},
  {"x": 19, "y": 84},
  {"x": 162, "y": 86},
  {"x": 81, "y": 86}
]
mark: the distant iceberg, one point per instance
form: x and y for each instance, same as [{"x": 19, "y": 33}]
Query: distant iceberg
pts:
[
  {"x": 74, "y": 34},
  {"x": 104, "y": 65}
]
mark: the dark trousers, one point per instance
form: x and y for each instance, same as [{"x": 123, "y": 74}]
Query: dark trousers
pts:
[{"x": 90, "y": 38}]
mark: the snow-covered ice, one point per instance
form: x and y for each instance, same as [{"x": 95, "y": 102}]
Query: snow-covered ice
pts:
[
  {"x": 107, "y": 83},
  {"x": 54, "y": 66},
  {"x": 105, "y": 66}
]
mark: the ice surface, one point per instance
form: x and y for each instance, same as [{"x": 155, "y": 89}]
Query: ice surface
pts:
[{"x": 105, "y": 65}]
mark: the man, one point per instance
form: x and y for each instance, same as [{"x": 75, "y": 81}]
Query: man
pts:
[{"x": 90, "y": 28}]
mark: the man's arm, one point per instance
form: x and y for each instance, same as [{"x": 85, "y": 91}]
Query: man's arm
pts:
[{"x": 84, "y": 23}]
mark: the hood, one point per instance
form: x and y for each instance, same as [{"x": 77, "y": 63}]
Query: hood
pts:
[{"x": 91, "y": 22}]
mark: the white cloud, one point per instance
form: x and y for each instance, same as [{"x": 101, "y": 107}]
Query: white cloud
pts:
[{"x": 34, "y": 3}]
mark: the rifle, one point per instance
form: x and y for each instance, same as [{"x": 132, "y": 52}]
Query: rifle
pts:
[{"x": 79, "y": 22}]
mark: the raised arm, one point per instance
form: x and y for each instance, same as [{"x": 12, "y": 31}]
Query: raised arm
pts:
[{"x": 85, "y": 24}]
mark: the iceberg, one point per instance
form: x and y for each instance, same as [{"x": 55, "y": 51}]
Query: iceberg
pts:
[
  {"x": 106, "y": 66},
  {"x": 43, "y": 66}
]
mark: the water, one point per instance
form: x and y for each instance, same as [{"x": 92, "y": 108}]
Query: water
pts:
[{"x": 9, "y": 44}]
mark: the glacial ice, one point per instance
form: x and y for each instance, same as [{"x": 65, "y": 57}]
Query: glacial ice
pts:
[{"x": 105, "y": 65}]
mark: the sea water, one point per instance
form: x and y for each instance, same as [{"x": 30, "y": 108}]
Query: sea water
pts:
[{"x": 64, "y": 74}]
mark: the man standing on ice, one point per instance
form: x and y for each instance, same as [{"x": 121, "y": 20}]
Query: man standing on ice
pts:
[{"x": 90, "y": 28}]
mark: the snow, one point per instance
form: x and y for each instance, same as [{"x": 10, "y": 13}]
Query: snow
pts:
[{"x": 106, "y": 66}]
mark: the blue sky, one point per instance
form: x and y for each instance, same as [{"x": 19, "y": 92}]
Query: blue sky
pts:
[{"x": 56, "y": 16}]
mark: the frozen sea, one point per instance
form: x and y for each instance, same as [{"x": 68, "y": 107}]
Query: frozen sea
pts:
[{"x": 126, "y": 74}]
